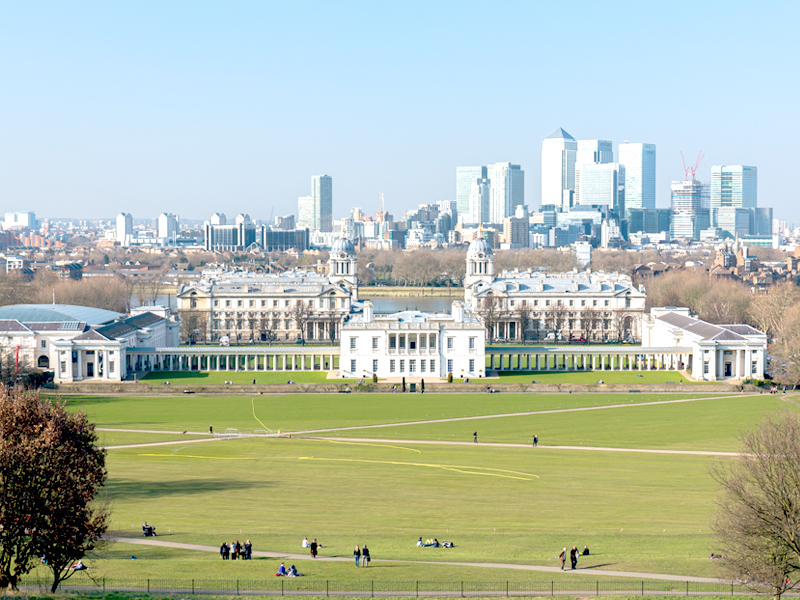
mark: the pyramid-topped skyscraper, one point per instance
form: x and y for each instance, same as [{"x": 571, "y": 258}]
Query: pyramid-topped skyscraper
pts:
[{"x": 558, "y": 169}]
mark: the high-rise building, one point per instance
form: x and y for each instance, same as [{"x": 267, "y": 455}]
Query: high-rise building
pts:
[
  {"x": 732, "y": 221},
  {"x": 761, "y": 221},
  {"x": 559, "y": 152},
  {"x": 603, "y": 185},
  {"x": 20, "y": 220},
  {"x": 305, "y": 212},
  {"x": 591, "y": 152},
  {"x": 322, "y": 197},
  {"x": 734, "y": 185},
  {"x": 506, "y": 190},
  {"x": 479, "y": 202},
  {"x": 167, "y": 226},
  {"x": 124, "y": 228},
  {"x": 690, "y": 203},
  {"x": 639, "y": 161},
  {"x": 465, "y": 177}
]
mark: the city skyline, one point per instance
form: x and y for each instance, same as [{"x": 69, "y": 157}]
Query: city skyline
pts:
[{"x": 171, "y": 108}]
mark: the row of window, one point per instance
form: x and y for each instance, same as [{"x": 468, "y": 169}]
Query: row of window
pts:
[
  {"x": 412, "y": 364},
  {"x": 399, "y": 341},
  {"x": 323, "y": 303}
]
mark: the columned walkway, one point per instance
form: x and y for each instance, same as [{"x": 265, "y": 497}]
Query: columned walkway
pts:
[{"x": 588, "y": 358}]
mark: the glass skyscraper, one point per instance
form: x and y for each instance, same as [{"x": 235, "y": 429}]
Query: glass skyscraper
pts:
[
  {"x": 465, "y": 177},
  {"x": 322, "y": 201},
  {"x": 734, "y": 185},
  {"x": 639, "y": 161},
  {"x": 603, "y": 185},
  {"x": 690, "y": 209},
  {"x": 559, "y": 152}
]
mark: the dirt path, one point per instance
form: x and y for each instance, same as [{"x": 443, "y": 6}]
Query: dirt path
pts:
[{"x": 291, "y": 556}]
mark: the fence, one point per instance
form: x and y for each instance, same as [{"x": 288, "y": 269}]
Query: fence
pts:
[{"x": 301, "y": 586}]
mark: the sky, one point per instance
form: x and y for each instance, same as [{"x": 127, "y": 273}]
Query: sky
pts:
[{"x": 198, "y": 107}]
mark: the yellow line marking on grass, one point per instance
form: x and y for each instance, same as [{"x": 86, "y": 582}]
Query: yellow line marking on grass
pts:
[
  {"x": 194, "y": 456},
  {"x": 368, "y": 444},
  {"x": 253, "y": 404},
  {"x": 454, "y": 468}
]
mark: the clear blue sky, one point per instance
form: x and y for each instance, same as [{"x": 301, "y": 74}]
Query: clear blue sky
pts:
[{"x": 196, "y": 107}]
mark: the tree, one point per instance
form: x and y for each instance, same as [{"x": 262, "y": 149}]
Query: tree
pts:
[
  {"x": 554, "y": 317},
  {"x": 758, "y": 513},
  {"x": 301, "y": 314},
  {"x": 51, "y": 471},
  {"x": 589, "y": 318},
  {"x": 524, "y": 312},
  {"x": 490, "y": 313},
  {"x": 267, "y": 327},
  {"x": 768, "y": 311},
  {"x": 192, "y": 325},
  {"x": 784, "y": 352}
]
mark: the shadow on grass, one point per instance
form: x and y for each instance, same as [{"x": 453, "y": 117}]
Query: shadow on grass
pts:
[{"x": 193, "y": 486}]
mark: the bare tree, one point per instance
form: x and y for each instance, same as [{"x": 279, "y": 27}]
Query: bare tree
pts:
[
  {"x": 267, "y": 326},
  {"x": 589, "y": 319},
  {"x": 490, "y": 313},
  {"x": 523, "y": 314},
  {"x": 620, "y": 321},
  {"x": 192, "y": 325},
  {"x": 554, "y": 317},
  {"x": 768, "y": 311},
  {"x": 300, "y": 315},
  {"x": 784, "y": 352},
  {"x": 759, "y": 509}
]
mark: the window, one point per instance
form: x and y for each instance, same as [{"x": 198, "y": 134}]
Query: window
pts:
[
  {"x": 412, "y": 366},
  {"x": 754, "y": 368},
  {"x": 422, "y": 366},
  {"x": 227, "y": 303},
  {"x": 606, "y": 303},
  {"x": 627, "y": 302},
  {"x": 375, "y": 366},
  {"x": 392, "y": 342},
  {"x": 252, "y": 303},
  {"x": 44, "y": 343},
  {"x": 239, "y": 303},
  {"x": 449, "y": 365},
  {"x": 571, "y": 302},
  {"x": 583, "y": 302},
  {"x": 63, "y": 366},
  {"x": 111, "y": 364},
  {"x": 705, "y": 367},
  {"x": 352, "y": 366},
  {"x": 402, "y": 366},
  {"x": 547, "y": 302},
  {"x": 286, "y": 304},
  {"x": 216, "y": 303},
  {"x": 471, "y": 365},
  {"x": 511, "y": 303},
  {"x": 374, "y": 343},
  {"x": 472, "y": 343},
  {"x": 594, "y": 302},
  {"x": 274, "y": 304},
  {"x": 449, "y": 343},
  {"x": 412, "y": 344},
  {"x": 536, "y": 303},
  {"x": 433, "y": 366},
  {"x": 392, "y": 364},
  {"x": 263, "y": 303},
  {"x": 194, "y": 303},
  {"x": 402, "y": 342},
  {"x": 352, "y": 343},
  {"x": 423, "y": 341}
]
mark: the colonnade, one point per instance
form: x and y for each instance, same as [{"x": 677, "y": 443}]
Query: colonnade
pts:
[
  {"x": 587, "y": 360},
  {"x": 173, "y": 359}
]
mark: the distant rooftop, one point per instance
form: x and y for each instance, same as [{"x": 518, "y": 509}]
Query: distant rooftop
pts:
[
  {"x": 57, "y": 313},
  {"x": 560, "y": 133}
]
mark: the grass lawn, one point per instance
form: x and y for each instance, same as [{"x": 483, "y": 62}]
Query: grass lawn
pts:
[
  {"x": 590, "y": 377},
  {"x": 117, "y": 438},
  {"x": 244, "y": 377},
  {"x": 292, "y": 412}
]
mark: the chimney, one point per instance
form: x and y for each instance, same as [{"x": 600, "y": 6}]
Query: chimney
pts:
[
  {"x": 458, "y": 311},
  {"x": 368, "y": 311}
]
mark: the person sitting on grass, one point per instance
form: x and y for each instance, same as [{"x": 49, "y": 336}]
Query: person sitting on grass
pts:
[
  {"x": 420, "y": 543},
  {"x": 585, "y": 551},
  {"x": 281, "y": 571},
  {"x": 435, "y": 543},
  {"x": 293, "y": 572}
]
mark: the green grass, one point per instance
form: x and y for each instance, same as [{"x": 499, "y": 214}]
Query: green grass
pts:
[
  {"x": 117, "y": 438},
  {"x": 632, "y": 378},
  {"x": 243, "y": 377}
]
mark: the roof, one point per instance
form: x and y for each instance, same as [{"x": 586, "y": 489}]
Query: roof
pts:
[
  {"x": 12, "y": 325},
  {"x": 58, "y": 313},
  {"x": 709, "y": 331},
  {"x": 560, "y": 133},
  {"x": 544, "y": 284}
]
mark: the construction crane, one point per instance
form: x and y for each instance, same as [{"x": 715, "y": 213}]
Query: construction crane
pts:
[
  {"x": 692, "y": 170},
  {"x": 382, "y": 215}
]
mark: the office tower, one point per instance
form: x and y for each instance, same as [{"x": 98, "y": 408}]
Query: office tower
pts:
[
  {"x": 761, "y": 221},
  {"x": 479, "y": 202},
  {"x": 559, "y": 152},
  {"x": 20, "y": 220},
  {"x": 591, "y": 152},
  {"x": 639, "y": 161},
  {"x": 218, "y": 219},
  {"x": 690, "y": 202},
  {"x": 124, "y": 229},
  {"x": 322, "y": 198},
  {"x": 167, "y": 226},
  {"x": 305, "y": 212},
  {"x": 506, "y": 190},
  {"x": 732, "y": 221},
  {"x": 734, "y": 185},
  {"x": 603, "y": 185},
  {"x": 465, "y": 177}
]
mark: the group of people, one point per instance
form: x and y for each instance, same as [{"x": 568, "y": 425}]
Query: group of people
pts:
[
  {"x": 434, "y": 543},
  {"x": 290, "y": 572},
  {"x": 573, "y": 556},
  {"x": 312, "y": 546},
  {"x": 235, "y": 550},
  {"x": 362, "y": 554},
  {"x": 148, "y": 530}
]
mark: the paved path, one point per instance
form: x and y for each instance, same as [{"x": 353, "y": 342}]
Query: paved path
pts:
[{"x": 290, "y": 556}]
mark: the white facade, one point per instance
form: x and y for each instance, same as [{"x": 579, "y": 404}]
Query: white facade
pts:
[
  {"x": 718, "y": 352},
  {"x": 124, "y": 229},
  {"x": 690, "y": 203},
  {"x": 639, "y": 161},
  {"x": 465, "y": 177},
  {"x": 413, "y": 345},
  {"x": 506, "y": 190},
  {"x": 167, "y": 226},
  {"x": 602, "y": 185},
  {"x": 591, "y": 152},
  {"x": 479, "y": 202},
  {"x": 20, "y": 220},
  {"x": 559, "y": 152}
]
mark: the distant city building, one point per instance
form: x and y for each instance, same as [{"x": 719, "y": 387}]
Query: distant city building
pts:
[
  {"x": 20, "y": 220},
  {"x": 648, "y": 220},
  {"x": 315, "y": 212},
  {"x": 515, "y": 232},
  {"x": 639, "y": 161},
  {"x": 506, "y": 190},
  {"x": 732, "y": 221},
  {"x": 478, "y": 212},
  {"x": 602, "y": 184},
  {"x": 465, "y": 177},
  {"x": 690, "y": 204},
  {"x": 591, "y": 152},
  {"x": 124, "y": 229},
  {"x": 168, "y": 227},
  {"x": 285, "y": 222},
  {"x": 734, "y": 186},
  {"x": 559, "y": 152}
]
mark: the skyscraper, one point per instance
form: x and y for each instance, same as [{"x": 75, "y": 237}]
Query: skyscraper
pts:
[
  {"x": 465, "y": 177},
  {"x": 124, "y": 229},
  {"x": 559, "y": 152},
  {"x": 639, "y": 161},
  {"x": 690, "y": 209},
  {"x": 479, "y": 202},
  {"x": 603, "y": 185},
  {"x": 506, "y": 190},
  {"x": 322, "y": 195},
  {"x": 734, "y": 185},
  {"x": 591, "y": 152},
  {"x": 167, "y": 226}
]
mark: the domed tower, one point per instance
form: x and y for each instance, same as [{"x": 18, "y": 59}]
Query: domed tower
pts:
[
  {"x": 480, "y": 266},
  {"x": 343, "y": 267}
]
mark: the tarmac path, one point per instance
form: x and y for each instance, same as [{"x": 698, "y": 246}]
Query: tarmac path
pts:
[{"x": 291, "y": 556}]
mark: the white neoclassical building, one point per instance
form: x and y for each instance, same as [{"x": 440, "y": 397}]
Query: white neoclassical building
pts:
[
  {"x": 524, "y": 305},
  {"x": 248, "y": 306},
  {"x": 413, "y": 344},
  {"x": 718, "y": 352}
]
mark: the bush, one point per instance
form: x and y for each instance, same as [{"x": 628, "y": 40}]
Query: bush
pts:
[
  {"x": 449, "y": 378},
  {"x": 374, "y": 378}
]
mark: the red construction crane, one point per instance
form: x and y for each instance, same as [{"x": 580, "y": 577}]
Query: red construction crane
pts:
[{"x": 692, "y": 170}]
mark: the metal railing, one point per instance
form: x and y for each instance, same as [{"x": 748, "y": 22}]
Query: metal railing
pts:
[{"x": 306, "y": 586}]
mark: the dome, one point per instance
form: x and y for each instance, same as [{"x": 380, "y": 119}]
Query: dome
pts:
[
  {"x": 479, "y": 246},
  {"x": 343, "y": 246}
]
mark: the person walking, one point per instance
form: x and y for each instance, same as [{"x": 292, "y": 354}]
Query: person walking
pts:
[
  {"x": 535, "y": 440},
  {"x": 563, "y": 558},
  {"x": 573, "y": 557},
  {"x": 248, "y": 550},
  {"x": 211, "y": 429},
  {"x": 365, "y": 557},
  {"x": 222, "y": 551},
  {"x": 313, "y": 547},
  {"x": 357, "y": 554},
  {"x": 475, "y": 437}
]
